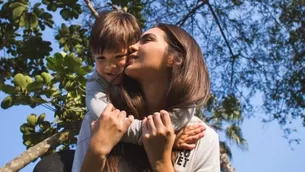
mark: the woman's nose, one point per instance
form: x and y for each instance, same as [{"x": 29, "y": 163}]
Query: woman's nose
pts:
[{"x": 133, "y": 48}]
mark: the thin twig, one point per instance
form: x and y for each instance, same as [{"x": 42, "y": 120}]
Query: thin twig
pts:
[
  {"x": 48, "y": 107},
  {"x": 91, "y": 8},
  {"x": 225, "y": 38},
  {"x": 189, "y": 14}
]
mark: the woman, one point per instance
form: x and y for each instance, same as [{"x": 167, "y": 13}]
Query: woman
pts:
[{"x": 168, "y": 67}]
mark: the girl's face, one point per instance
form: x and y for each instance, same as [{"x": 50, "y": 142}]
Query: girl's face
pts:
[
  {"x": 148, "y": 58},
  {"x": 111, "y": 65}
]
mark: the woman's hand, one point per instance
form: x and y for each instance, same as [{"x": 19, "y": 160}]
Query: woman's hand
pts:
[
  {"x": 188, "y": 136},
  {"x": 108, "y": 130},
  {"x": 158, "y": 138}
]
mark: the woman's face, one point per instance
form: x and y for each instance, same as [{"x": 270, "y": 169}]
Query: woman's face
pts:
[{"x": 148, "y": 58}]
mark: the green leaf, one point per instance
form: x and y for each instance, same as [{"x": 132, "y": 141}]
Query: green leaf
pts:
[
  {"x": 28, "y": 79},
  {"x": 66, "y": 47},
  {"x": 37, "y": 5},
  {"x": 34, "y": 86},
  {"x": 17, "y": 4},
  {"x": 38, "y": 78},
  {"x": 27, "y": 21},
  {"x": 49, "y": 23},
  {"x": 65, "y": 13},
  {"x": 41, "y": 118},
  {"x": 62, "y": 40},
  {"x": 45, "y": 125},
  {"x": 33, "y": 19},
  {"x": 59, "y": 58},
  {"x": 75, "y": 13},
  {"x": 22, "y": 21},
  {"x": 26, "y": 129},
  {"x": 8, "y": 89},
  {"x": 71, "y": 60},
  {"x": 73, "y": 28},
  {"x": 56, "y": 93},
  {"x": 20, "y": 80},
  {"x": 51, "y": 63},
  {"x": 32, "y": 119},
  {"x": 47, "y": 78},
  {"x": 27, "y": 142},
  {"x": 7, "y": 102},
  {"x": 79, "y": 70},
  {"x": 18, "y": 12},
  {"x": 64, "y": 30},
  {"x": 25, "y": 2},
  {"x": 69, "y": 85},
  {"x": 46, "y": 2},
  {"x": 52, "y": 7}
]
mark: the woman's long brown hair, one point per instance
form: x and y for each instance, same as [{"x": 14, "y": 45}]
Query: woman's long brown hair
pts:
[{"x": 189, "y": 83}]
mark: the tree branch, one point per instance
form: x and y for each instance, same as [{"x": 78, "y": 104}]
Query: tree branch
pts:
[
  {"x": 225, "y": 163},
  {"x": 189, "y": 14},
  {"x": 91, "y": 8},
  {"x": 225, "y": 38},
  {"x": 34, "y": 152}
]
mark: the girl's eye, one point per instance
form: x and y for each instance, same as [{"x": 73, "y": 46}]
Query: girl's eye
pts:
[{"x": 100, "y": 59}]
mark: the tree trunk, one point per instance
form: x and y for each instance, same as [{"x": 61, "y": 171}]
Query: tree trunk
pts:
[
  {"x": 225, "y": 163},
  {"x": 34, "y": 152}
]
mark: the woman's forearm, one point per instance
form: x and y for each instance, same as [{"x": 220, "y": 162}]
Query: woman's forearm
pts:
[
  {"x": 163, "y": 166},
  {"x": 93, "y": 162}
]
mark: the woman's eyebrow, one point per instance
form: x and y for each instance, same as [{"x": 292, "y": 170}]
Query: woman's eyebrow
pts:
[{"x": 148, "y": 34}]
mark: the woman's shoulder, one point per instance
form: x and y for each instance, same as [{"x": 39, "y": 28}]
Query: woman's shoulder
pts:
[
  {"x": 210, "y": 133},
  {"x": 205, "y": 156}
]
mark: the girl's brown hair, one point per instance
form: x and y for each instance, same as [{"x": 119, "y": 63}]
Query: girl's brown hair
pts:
[{"x": 114, "y": 31}]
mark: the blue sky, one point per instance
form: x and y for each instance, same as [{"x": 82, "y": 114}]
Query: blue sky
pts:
[{"x": 268, "y": 150}]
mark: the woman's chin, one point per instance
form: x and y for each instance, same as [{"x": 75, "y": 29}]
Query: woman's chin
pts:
[
  {"x": 132, "y": 72},
  {"x": 129, "y": 71}
]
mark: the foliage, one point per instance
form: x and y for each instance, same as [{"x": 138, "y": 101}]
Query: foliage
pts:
[{"x": 33, "y": 77}]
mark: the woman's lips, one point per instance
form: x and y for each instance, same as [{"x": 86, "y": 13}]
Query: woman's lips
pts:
[{"x": 131, "y": 59}]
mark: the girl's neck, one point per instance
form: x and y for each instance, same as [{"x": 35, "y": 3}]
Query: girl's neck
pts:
[{"x": 155, "y": 95}]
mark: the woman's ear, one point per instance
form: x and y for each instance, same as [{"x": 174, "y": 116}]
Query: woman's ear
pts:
[{"x": 174, "y": 61}]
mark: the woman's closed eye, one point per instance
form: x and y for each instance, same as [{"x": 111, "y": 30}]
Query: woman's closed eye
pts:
[{"x": 146, "y": 38}]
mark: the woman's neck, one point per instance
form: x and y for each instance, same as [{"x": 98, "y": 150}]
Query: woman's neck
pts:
[{"x": 155, "y": 95}]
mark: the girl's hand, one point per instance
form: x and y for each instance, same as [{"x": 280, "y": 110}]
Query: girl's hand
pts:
[
  {"x": 108, "y": 130},
  {"x": 158, "y": 138},
  {"x": 187, "y": 137}
]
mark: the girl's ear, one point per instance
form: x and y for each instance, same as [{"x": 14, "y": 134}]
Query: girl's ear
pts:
[{"x": 174, "y": 61}]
